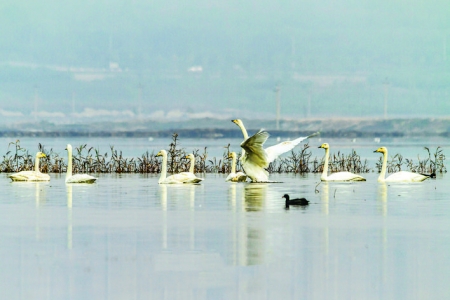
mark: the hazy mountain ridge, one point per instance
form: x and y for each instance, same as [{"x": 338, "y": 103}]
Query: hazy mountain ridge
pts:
[{"x": 212, "y": 128}]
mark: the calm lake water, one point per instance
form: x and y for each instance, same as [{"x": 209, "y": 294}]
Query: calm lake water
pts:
[
  {"x": 134, "y": 147},
  {"x": 126, "y": 237}
]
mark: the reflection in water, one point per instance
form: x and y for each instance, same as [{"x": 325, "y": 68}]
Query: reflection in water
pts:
[
  {"x": 69, "y": 216},
  {"x": 382, "y": 197},
  {"x": 325, "y": 197},
  {"x": 184, "y": 189},
  {"x": 248, "y": 235},
  {"x": 255, "y": 196},
  {"x": 232, "y": 195},
  {"x": 192, "y": 217},
  {"x": 32, "y": 190},
  {"x": 163, "y": 199},
  {"x": 40, "y": 193},
  {"x": 325, "y": 200},
  {"x": 39, "y": 200},
  {"x": 252, "y": 236}
]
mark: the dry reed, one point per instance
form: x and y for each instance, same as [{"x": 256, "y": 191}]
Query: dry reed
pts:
[{"x": 90, "y": 160}]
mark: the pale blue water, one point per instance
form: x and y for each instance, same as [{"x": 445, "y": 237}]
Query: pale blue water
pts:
[
  {"x": 134, "y": 147},
  {"x": 126, "y": 237}
]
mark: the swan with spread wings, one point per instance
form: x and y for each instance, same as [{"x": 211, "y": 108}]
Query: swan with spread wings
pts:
[{"x": 255, "y": 158}]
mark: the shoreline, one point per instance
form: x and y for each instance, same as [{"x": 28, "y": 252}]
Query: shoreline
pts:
[{"x": 216, "y": 129}]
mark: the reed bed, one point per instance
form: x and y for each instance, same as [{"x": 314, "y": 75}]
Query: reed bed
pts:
[
  {"x": 433, "y": 164},
  {"x": 339, "y": 162},
  {"x": 90, "y": 160}
]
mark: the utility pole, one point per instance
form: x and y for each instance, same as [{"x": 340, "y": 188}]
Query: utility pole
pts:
[
  {"x": 386, "y": 92},
  {"x": 277, "y": 91}
]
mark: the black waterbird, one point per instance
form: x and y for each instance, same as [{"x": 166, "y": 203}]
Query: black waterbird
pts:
[{"x": 297, "y": 201}]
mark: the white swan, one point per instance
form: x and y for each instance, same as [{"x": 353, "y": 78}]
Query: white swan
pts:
[
  {"x": 235, "y": 177},
  {"x": 77, "y": 178},
  {"x": 35, "y": 175},
  {"x": 191, "y": 173},
  {"x": 402, "y": 176},
  {"x": 192, "y": 160},
  {"x": 183, "y": 177},
  {"x": 255, "y": 158},
  {"x": 339, "y": 176}
]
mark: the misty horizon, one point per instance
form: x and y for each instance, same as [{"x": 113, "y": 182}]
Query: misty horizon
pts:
[{"x": 175, "y": 60}]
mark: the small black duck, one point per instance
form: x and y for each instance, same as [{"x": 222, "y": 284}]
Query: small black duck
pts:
[{"x": 297, "y": 201}]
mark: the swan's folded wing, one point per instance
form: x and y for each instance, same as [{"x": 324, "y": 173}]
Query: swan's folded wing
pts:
[
  {"x": 187, "y": 177},
  {"x": 81, "y": 178},
  {"x": 254, "y": 148},
  {"x": 274, "y": 151}
]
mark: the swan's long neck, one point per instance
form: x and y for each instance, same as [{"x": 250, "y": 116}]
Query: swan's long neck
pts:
[
  {"x": 382, "y": 176},
  {"x": 233, "y": 164},
  {"x": 245, "y": 134},
  {"x": 325, "y": 165},
  {"x": 69, "y": 163},
  {"x": 244, "y": 131},
  {"x": 163, "y": 168},
  {"x": 36, "y": 164},
  {"x": 191, "y": 167}
]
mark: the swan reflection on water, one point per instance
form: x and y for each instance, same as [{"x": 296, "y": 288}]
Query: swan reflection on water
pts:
[
  {"x": 325, "y": 197},
  {"x": 255, "y": 196},
  {"x": 181, "y": 192},
  {"x": 382, "y": 197},
  {"x": 32, "y": 190},
  {"x": 69, "y": 216},
  {"x": 246, "y": 239}
]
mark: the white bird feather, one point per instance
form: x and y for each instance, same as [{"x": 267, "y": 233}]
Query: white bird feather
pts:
[
  {"x": 35, "y": 175},
  {"x": 77, "y": 178},
  {"x": 233, "y": 176},
  {"x": 339, "y": 176},
  {"x": 402, "y": 176},
  {"x": 183, "y": 177},
  {"x": 255, "y": 158}
]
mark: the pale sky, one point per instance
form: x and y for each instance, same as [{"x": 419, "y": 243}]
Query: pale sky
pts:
[{"x": 111, "y": 58}]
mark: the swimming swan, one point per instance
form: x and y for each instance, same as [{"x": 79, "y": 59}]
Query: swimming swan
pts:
[
  {"x": 183, "y": 177},
  {"x": 255, "y": 158},
  {"x": 339, "y": 176},
  {"x": 191, "y": 167},
  {"x": 77, "y": 178},
  {"x": 192, "y": 160},
  {"x": 235, "y": 177},
  {"x": 402, "y": 176},
  {"x": 35, "y": 175}
]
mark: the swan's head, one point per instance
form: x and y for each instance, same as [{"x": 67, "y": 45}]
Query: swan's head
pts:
[
  {"x": 40, "y": 155},
  {"x": 381, "y": 150},
  {"x": 231, "y": 155},
  {"x": 285, "y": 196},
  {"x": 190, "y": 156},
  {"x": 238, "y": 122},
  {"x": 69, "y": 147},
  {"x": 161, "y": 153},
  {"x": 325, "y": 146}
]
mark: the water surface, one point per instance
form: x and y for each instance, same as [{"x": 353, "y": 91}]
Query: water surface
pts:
[{"x": 126, "y": 237}]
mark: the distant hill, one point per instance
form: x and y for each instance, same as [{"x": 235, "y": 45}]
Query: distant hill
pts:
[{"x": 214, "y": 128}]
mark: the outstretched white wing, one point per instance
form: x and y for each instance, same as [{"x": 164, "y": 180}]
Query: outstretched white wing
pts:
[
  {"x": 254, "y": 149},
  {"x": 274, "y": 151}
]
